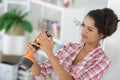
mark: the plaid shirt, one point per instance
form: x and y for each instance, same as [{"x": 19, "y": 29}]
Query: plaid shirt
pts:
[{"x": 92, "y": 67}]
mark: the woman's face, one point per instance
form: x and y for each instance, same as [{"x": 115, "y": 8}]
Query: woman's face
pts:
[{"x": 90, "y": 33}]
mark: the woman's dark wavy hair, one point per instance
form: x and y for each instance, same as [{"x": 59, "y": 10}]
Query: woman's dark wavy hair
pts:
[{"x": 105, "y": 20}]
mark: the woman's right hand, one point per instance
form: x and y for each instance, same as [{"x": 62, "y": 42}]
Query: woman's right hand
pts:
[{"x": 30, "y": 48}]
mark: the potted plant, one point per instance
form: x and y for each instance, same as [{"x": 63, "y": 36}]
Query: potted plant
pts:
[
  {"x": 14, "y": 22},
  {"x": 14, "y": 25}
]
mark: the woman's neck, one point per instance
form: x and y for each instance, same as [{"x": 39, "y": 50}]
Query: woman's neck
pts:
[{"x": 89, "y": 46}]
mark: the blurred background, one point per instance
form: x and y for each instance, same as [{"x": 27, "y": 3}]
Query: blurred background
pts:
[{"x": 62, "y": 18}]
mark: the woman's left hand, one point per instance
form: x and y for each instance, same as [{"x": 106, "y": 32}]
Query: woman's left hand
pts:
[{"x": 46, "y": 43}]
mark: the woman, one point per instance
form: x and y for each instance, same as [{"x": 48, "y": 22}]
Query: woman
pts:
[{"x": 79, "y": 61}]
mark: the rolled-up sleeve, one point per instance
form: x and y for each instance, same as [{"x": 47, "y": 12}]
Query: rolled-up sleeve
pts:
[{"x": 46, "y": 69}]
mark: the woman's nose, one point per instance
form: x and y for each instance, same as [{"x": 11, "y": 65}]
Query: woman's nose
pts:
[{"x": 84, "y": 30}]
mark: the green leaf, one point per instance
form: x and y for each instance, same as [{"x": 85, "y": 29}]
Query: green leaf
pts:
[
  {"x": 19, "y": 13},
  {"x": 1, "y": 24},
  {"x": 23, "y": 15},
  {"x": 14, "y": 23},
  {"x": 12, "y": 12},
  {"x": 27, "y": 26},
  {"x": 7, "y": 25}
]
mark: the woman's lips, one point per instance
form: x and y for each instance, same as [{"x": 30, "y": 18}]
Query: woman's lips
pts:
[{"x": 83, "y": 36}]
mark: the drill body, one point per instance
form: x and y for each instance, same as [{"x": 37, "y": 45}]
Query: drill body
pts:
[{"x": 27, "y": 61}]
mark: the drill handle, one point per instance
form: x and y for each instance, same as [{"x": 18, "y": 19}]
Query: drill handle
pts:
[{"x": 36, "y": 46}]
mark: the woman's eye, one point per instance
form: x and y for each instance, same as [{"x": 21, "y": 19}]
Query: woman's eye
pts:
[
  {"x": 90, "y": 30},
  {"x": 82, "y": 25}
]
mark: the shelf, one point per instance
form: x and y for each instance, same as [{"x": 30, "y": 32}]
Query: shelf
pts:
[
  {"x": 49, "y": 5},
  {"x": 67, "y": 18},
  {"x": 16, "y": 2}
]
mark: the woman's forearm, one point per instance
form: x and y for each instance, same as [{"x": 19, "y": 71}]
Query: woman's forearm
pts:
[
  {"x": 47, "y": 44},
  {"x": 60, "y": 71},
  {"x": 35, "y": 69}
]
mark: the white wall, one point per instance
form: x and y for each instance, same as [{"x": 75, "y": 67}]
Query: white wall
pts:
[
  {"x": 112, "y": 46},
  {"x": 90, "y": 4}
]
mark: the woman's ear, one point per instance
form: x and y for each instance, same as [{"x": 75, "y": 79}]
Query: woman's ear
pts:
[{"x": 101, "y": 35}]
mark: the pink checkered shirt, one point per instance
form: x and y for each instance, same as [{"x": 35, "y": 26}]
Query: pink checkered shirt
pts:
[{"x": 92, "y": 67}]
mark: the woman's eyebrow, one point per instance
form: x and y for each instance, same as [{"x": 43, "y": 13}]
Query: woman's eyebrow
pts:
[{"x": 90, "y": 27}]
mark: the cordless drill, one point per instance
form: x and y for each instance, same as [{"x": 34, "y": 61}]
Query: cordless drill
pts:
[{"x": 27, "y": 61}]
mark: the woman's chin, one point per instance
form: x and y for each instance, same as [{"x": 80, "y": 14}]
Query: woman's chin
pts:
[{"x": 83, "y": 40}]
